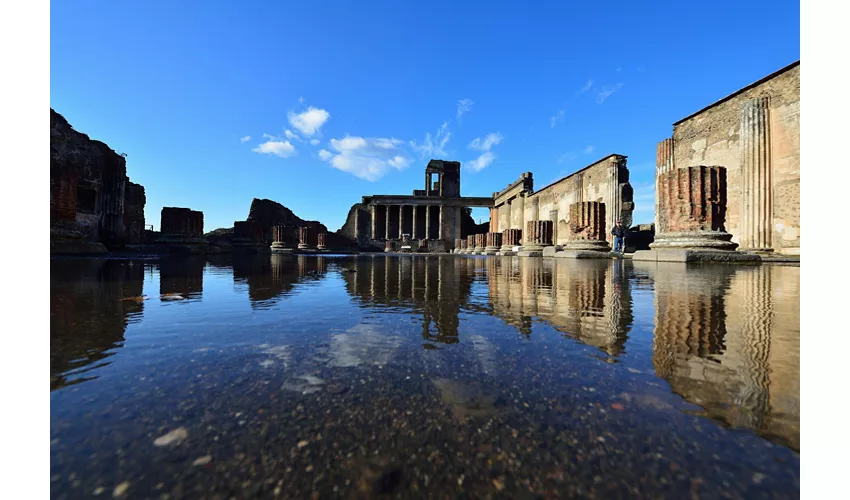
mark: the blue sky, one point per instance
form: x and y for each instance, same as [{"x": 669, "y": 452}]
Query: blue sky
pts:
[{"x": 315, "y": 104}]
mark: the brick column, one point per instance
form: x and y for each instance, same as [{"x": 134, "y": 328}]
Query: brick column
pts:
[
  {"x": 692, "y": 209},
  {"x": 480, "y": 244},
  {"x": 538, "y": 234},
  {"x": 457, "y": 247},
  {"x": 494, "y": 243},
  {"x": 587, "y": 227},
  {"x": 663, "y": 164},
  {"x": 279, "y": 244},
  {"x": 756, "y": 177},
  {"x": 302, "y": 238},
  {"x": 463, "y": 245},
  {"x": 322, "y": 241},
  {"x": 470, "y": 243},
  {"x": 510, "y": 239}
]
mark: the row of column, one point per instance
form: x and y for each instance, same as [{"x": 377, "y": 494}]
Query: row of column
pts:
[{"x": 411, "y": 214}]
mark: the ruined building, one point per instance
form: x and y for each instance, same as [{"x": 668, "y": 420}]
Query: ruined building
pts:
[
  {"x": 93, "y": 204},
  {"x": 750, "y": 142},
  {"x": 547, "y": 211},
  {"x": 431, "y": 218}
]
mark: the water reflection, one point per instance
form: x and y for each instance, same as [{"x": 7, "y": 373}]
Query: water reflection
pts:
[
  {"x": 182, "y": 276},
  {"x": 88, "y": 315},
  {"x": 728, "y": 339}
]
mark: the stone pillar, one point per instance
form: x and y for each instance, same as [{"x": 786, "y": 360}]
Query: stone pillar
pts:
[
  {"x": 470, "y": 243},
  {"x": 480, "y": 244},
  {"x": 279, "y": 243},
  {"x": 756, "y": 177},
  {"x": 692, "y": 213},
  {"x": 538, "y": 234},
  {"x": 400, "y": 221},
  {"x": 663, "y": 164},
  {"x": 389, "y": 246},
  {"x": 463, "y": 246},
  {"x": 414, "y": 234},
  {"x": 427, "y": 222},
  {"x": 442, "y": 220},
  {"x": 494, "y": 243},
  {"x": 510, "y": 239},
  {"x": 322, "y": 241},
  {"x": 374, "y": 211},
  {"x": 387, "y": 221},
  {"x": 302, "y": 238},
  {"x": 494, "y": 220},
  {"x": 457, "y": 246},
  {"x": 357, "y": 225},
  {"x": 587, "y": 227}
]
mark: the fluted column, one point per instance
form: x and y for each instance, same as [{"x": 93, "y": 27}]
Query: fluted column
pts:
[
  {"x": 494, "y": 243},
  {"x": 400, "y": 221},
  {"x": 322, "y": 240},
  {"x": 302, "y": 238},
  {"x": 427, "y": 222},
  {"x": 457, "y": 246},
  {"x": 692, "y": 209},
  {"x": 510, "y": 239},
  {"x": 538, "y": 234},
  {"x": 441, "y": 219},
  {"x": 470, "y": 243},
  {"x": 756, "y": 176},
  {"x": 587, "y": 227},
  {"x": 663, "y": 164},
  {"x": 480, "y": 244},
  {"x": 373, "y": 209},
  {"x": 279, "y": 243},
  {"x": 387, "y": 221}
]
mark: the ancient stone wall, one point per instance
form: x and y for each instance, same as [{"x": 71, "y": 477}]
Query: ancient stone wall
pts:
[
  {"x": 758, "y": 127},
  {"x": 182, "y": 221},
  {"x": 134, "y": 213}
]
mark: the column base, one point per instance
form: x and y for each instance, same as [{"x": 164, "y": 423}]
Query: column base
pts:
[
  {"x": 479, "y": 250},
  {"x": 550, "y": 250},
  {"x": 588, "y": 245},
  {"x": 530, "y": 251},
  {"x": 491, "y": 250},
  {"x": 694, "y": 255},
  {"x": 321, "y": 247},
  {"x": 697, "y": 240},
  {"x": 280, "y": 248},
  {"x": 303, "y": 246}
]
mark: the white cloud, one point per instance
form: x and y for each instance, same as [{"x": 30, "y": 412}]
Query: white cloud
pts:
[
  {"x": 436, "y": 146},
  {"x": 559, "y": 116},
  {"x": 487, "y": 142},
  {"x": 283, "y": 149},
  {"x": 586, "y": 86},
  {"x": 291, "y": 135},
  {"x": 606, "y": 92},
  {"x": 482, "y": 161},
  {"x": 309, "y": 122},
  {"x": 245, "y": 139},
  {"x": 588, "y": 150},
  {"x": 314, "y": 142},
  {"x": 366, "y": 158},
  {"x": 464, "y": 106}
]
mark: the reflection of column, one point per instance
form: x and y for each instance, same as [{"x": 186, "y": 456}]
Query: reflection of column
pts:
[
  {"x": 756, "y": 176},
  {"x": 693, "y": 209}
]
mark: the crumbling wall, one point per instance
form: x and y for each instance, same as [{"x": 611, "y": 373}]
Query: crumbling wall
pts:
[{"x": 712, "y": 137}]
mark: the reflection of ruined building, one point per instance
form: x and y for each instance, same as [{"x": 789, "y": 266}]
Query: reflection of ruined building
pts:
[
  {"x": 436, "y": 214},
  {"x": 587, "y": 300},
  {"x": 606, "y": 181},
  {"x": 727, "y": 339},
  {"x": 755, "y": 134},
  {"x": 91, "y": 198},
  {"x": 183, "y": 276},
  {"x": 88, "y": 316}
]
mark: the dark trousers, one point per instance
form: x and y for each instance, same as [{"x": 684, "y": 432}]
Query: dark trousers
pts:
[{"x": 618, "y": 244}]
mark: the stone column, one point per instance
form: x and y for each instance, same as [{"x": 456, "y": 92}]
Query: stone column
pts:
[
  {"x": 494, "y": 243},
  {"x": 663, "y": 164},
  {"x": 693, "y": 209},
  {"x": 494, "y": 220},
  {"x": 457, "y": 246},
  {"x": 442, "y": 220},
  {"x": 389, "y": 246},
  {"x": 427, "y": 222},
  {"x": 400, "y": 221},
  {"x": 756, "y": 177},
  {"x": 279, "y": 244},
  {"x": 463, "y": 246},
  {"x": 470, "y": 243},
  {"x": 414, "y": 234},
  {"x": 480, "y": 244},
  {"x": 510, "y": 239},
  {"x": 322, "y": 241},
  {"x": 587, "y": 227},
  {"x": 357, "y": 225},
  {"x": 387, "y": 221},
  {"x": 374, "y": 210},
  {"x": 538, "y": 234},
  {"x": 302, "y": 238}
]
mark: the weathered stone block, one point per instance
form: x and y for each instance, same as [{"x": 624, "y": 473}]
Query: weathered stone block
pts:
[{"x": 587, "y": 227}]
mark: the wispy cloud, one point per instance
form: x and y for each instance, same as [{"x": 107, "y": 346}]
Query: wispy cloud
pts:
[
  {"x": 245, "y": 139},
  {"x": 606, "y": 92},
  {"x": 366, "y": 158},
  {"x": 586, "y": 86},
  {"x": 558, "y": 117},
  {"x": 291, "y": 135},
  {"x": 574, "y": 155},
  {"x": 464, "y": 106},
  {"x": 487, "y": 142},
  {"x": 481, "y": 162},
  {"x": 275, "y": 146},
  {"x": 309, "y": 122},
  {"x": 588, "y": 150},
  {"x": 433, "y": 146},
  {"x": 314, "y": 142}
]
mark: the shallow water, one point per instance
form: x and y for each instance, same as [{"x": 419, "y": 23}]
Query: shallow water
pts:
[{"x": 423, "y": 376}]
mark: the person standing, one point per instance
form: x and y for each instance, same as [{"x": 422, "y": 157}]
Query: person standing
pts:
[{"x": 619, "y": 233}]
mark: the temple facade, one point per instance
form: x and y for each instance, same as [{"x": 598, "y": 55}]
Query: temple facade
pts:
[{"x": 754, "y": 135}]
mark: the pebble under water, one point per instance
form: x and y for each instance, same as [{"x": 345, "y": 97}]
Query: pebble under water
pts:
[{"x": 423, "y": 377}]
